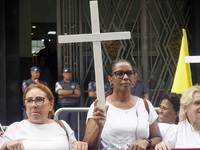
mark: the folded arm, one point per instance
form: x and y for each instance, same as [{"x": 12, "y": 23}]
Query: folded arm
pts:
[{"x": 68, "y": 93}]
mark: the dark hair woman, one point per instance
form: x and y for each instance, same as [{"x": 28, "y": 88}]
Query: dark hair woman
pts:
[{"x": 128, "y": 124}]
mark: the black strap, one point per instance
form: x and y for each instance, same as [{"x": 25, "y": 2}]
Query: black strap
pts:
[
  {"x": 63, "y": 126},
  {"x": 146, "y": 105}
]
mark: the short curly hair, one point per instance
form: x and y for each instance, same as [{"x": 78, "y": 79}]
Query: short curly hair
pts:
[{"x": 174, "y": 99}]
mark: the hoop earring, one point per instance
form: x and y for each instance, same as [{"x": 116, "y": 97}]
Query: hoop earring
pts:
[{"x": 111, "y": 85}]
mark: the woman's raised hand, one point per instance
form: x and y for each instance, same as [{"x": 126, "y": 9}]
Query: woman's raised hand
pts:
[{"x": 99, "y": 114}]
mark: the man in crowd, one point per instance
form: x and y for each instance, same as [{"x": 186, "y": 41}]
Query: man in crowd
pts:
[
  {"x": 139, "y": 89},
  {"x": 92, "y": 91},
  {"x": 35, "y": 78},
  {"x": 45, "y": 73},
  {"x": 68, "y": 96}
]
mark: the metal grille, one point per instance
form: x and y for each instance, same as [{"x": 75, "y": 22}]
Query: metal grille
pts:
[{"x": 155, "y": 26}]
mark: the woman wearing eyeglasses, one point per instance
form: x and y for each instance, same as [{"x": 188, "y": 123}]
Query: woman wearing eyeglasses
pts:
[
  {"x": 39, "y": 131},
  {"x": 128, "y": 125}
]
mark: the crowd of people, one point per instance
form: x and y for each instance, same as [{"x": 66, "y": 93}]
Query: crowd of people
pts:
[{"x": 129, "y": 120}]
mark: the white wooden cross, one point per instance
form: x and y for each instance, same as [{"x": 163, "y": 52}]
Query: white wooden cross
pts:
[
  {"x": 96, "y": 37},
  {"x": 192, "y": 59}
]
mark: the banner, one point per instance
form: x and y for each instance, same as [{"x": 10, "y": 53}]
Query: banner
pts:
[{"x": 182, "y": 79}]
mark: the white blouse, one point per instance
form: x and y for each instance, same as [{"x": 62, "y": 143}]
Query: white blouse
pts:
[
  {"x": 182, "y": 135},
  {"x": 124, "y": 127},
  {"x": 40, "y": 136}
]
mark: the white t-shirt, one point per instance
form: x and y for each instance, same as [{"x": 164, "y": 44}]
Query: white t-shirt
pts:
[
  {"x": 123, "y": 127},
  {"x": 40, "y": 136},
  {"x": 182, "y": 135},
  {"x": 163, "y": 128}
]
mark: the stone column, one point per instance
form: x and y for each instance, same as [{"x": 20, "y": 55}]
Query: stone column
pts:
[{"x": 144, "y": 42}]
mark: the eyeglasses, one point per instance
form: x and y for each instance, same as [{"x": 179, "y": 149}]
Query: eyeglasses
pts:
[
  {"x": 38, "y": 101},
  {"x": 120, "y": 74}
]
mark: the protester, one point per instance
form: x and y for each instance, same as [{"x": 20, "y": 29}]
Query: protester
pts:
[
  {"x": 139, "y": 88},
  {"x": 186, "y": 133},
  {"x": 168, "y": 111},
  {"x": 169, "y": 108},
  {"x": 39, "y": 131},
  {"x": 129, "y": 124}
]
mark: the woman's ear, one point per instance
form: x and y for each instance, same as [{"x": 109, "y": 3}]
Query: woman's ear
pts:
[
  {"x": 109, "y": 78},
  {"x": 51, "y": 104}
]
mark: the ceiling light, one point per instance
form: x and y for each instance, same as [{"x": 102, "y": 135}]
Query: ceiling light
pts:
[
  {"x": 52, "y": 32},
  {"x": 33, "y": 27}
]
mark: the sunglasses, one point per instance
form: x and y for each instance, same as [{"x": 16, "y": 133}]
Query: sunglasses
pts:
[
  {"x": 38, "y": 100},
  {"x": 120, "y": 74}
]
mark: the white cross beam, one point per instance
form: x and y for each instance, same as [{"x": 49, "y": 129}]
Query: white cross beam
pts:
[
  {"x": 192, "y": 59},
  {"x": 96, "y": 37}
]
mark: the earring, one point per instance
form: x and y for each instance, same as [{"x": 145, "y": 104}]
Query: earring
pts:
[{"x": 111, "y": 85}]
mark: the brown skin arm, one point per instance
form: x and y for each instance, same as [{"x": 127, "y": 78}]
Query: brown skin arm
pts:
[
  {"x": 155, "y": 137},
  {"x": 94, "y": 127},
  {"x": 92, "y": 134},
  {"x": 68, "y": 93}
]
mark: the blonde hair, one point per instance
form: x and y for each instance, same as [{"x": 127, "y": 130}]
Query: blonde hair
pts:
[
  {"x": 186, "y": 99},
  {"x": 46, "y": 90}
]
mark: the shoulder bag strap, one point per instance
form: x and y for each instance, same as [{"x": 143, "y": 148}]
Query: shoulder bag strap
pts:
[
  {"x": 63, "y": 126},
  {"x": 146, "y": 105}
]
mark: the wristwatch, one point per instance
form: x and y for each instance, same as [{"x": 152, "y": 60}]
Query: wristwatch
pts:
[
  {"x": 73, "y": 92},
  {"x": 149, "y": 141}
]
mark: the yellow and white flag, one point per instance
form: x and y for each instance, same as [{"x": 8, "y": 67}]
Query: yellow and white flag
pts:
[{"x": 182, "y": 79}]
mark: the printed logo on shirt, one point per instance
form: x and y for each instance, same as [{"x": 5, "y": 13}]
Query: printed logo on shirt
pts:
[
  {"x": 89, "y": 88},
  {"x": 73, "y": 86}
]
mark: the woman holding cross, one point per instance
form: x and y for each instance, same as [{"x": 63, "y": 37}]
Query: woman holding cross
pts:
[{"x": 128, "y": 123}]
